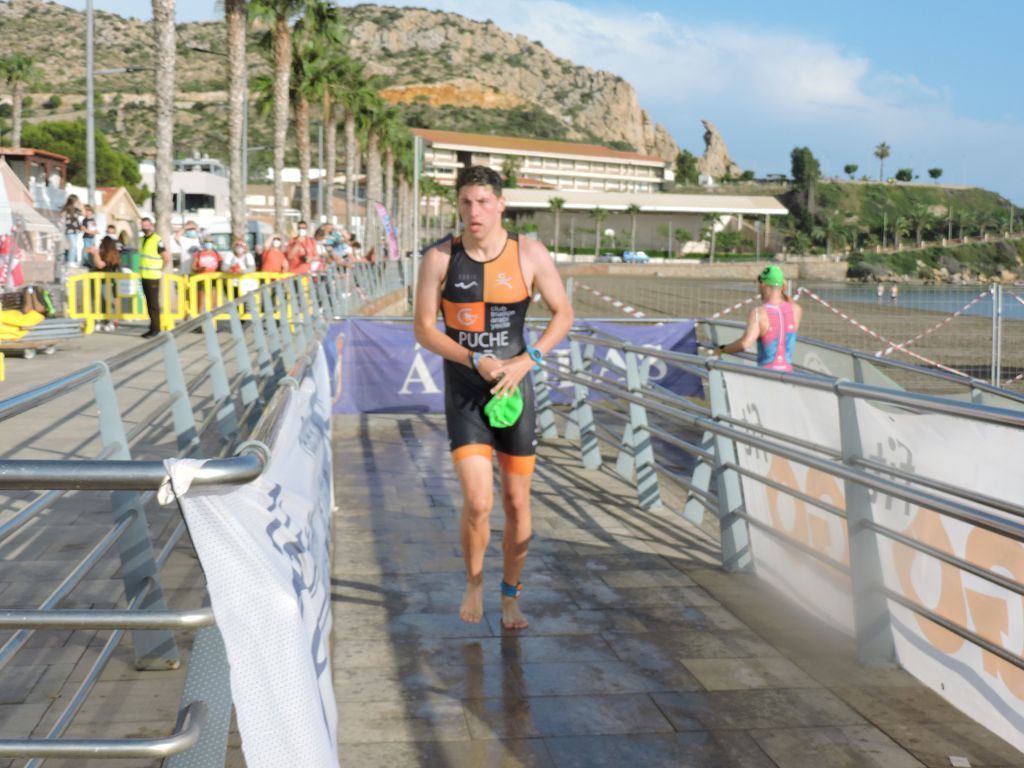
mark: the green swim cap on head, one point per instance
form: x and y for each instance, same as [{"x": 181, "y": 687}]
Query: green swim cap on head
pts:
[
  {"x": 772, "y": 275},
  {"x": 504, "y": 411}
]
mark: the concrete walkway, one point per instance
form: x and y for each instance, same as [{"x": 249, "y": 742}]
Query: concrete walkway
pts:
[{"x": 640, "y": 652}]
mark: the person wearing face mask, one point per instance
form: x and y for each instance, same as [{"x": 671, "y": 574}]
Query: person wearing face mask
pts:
[
  {"x": 302, "y": 248},
  {"x": 241, "y": 259},
  {"x": 206, "y": 261},
  {"x": 153, "y": 260},
  {"x": 189, "y": 240},
  {"x": 273, "y": 257}
]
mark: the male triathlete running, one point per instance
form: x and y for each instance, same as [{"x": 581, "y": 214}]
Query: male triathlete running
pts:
[
  {"x": 773, "y": 325},
  {"x": 482, "y": 282}
]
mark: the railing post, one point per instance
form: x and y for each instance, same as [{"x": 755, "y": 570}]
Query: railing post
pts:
[
  {"x": 295, "y": 313},
  {"x": 226, "y": 418},
  {"x": 570, "y": 289},
  {"x": 270, "y": 325},
  {"x": 263, "y": 359},
  {"x": 542, "y": 393},
  {"x": 583, "y": 414},
  {"x": 153, "y": 648},
  {"x": 181, "y": 407},
  {"x": 284, "y": 326},
  {"x": 640, "y": 454},
  {"x": 208, "y": 680},
  {"x": 703, "y": 475},
  {"x": 248, "y": 389},
  {"x": 735, "y": 536},
  {"x": 872, "y": 626}
]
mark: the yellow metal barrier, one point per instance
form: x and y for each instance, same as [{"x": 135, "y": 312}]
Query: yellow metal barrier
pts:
[
  {"x": 102, "y": 296},
  {"x": 215, "y": 289}
]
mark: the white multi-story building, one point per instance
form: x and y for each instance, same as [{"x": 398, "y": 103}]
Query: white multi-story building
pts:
[{"x": 542, "y": 164}]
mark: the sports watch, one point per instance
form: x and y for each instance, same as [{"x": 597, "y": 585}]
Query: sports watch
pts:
[{"x": 536, "y": 355}]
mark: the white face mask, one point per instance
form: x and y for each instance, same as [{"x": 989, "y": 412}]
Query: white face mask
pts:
[
  {"x": 276, "y": 244},
  {"x": 302, "y": 233}
]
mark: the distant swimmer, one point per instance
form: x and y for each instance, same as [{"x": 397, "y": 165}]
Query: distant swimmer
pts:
[
  {"x": 894, "y": 292},
  {"x": 773, "y": 325},
  {"x": 880, "y": 291},
  {"x": 482, "y": 284}
]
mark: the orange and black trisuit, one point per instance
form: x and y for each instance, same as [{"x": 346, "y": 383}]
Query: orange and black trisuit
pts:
[{"x": 484, "y": 306}]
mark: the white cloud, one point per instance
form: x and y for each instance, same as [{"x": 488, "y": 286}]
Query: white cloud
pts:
[{"x": 768, "y": 90}]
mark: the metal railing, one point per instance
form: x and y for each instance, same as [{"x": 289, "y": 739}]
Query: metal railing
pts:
[
  {"x": 636, "y": 418},
  {"x": 269, "y": 356}
]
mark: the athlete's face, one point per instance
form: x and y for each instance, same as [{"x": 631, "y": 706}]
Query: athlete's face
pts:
[{"x": 480, "y": 209}]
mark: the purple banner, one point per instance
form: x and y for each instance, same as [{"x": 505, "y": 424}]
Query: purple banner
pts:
[{"x": 377, "y": 367}]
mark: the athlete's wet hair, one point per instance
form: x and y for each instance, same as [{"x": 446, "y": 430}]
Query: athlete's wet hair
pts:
[{"x": 478, "y": 176}]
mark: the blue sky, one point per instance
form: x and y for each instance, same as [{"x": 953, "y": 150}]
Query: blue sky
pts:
[{"x": 939, "y": 81}]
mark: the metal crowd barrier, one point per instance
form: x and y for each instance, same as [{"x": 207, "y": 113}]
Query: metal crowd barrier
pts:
[
  {"x": 117, "y": 296},
  {"x": 270, "y": 356},
  {"x": 637, "y": 415}
]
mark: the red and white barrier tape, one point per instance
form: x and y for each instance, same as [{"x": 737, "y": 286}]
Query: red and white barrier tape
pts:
[
  {"x": 940, "y": 324},
  {"x": 1018, "y": 298},
  {"x": 613, "y": 301},
  {"x": 857, "y": 324},
  {"x": 727, "y": 310}
]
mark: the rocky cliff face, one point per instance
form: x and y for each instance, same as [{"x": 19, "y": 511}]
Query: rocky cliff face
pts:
[
  {"x": 444, "y": 58},
  {"x": 716, "y": 161}
]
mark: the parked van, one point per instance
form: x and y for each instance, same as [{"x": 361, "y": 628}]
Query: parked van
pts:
[{"x": 635, "y": 257}]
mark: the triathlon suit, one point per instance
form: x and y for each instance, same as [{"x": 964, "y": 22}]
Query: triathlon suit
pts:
[
  {"x": 484, "y": 306},
  {"x": 775, "y": 347}
]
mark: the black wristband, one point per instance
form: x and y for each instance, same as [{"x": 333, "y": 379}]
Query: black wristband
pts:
[
  {"x": 721, "y": 347},
  {"x": 472, "y": 362}
]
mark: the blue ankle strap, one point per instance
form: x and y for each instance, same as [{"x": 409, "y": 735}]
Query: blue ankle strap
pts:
[{"x": 507, "y": 590}]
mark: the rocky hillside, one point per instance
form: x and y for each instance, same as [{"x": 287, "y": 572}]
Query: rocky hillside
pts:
[{"x": 428, "y": 60}]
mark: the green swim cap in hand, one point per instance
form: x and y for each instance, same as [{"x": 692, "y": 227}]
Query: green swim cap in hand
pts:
[{"x": 504, "y": 411}]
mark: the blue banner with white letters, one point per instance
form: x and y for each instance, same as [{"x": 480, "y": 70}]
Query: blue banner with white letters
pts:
[{"x": 377, "y": 366}]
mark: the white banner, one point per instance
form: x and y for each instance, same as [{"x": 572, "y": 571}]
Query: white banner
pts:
[
  {"x": 973, "y": 455},
  {"x": 265, "y": 550},
  {"x": 813, "y": 416},
  {"x": 978, "y": 457}
]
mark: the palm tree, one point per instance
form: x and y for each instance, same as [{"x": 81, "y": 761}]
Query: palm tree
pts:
[
  {"x": 394, "y": 138},
  {"x": 920, "y": 220},
  {"x": 510, "y": 170},
  {"x": 882, "y": 151},
  {"x": 317, "y": 32},
  {"x": 16, "y": 70},
  {"x": 355, "y": 91},
  {"x": 279, "y": 13},
  {"x": 165, "y": 59},
  {"x": 373, "y": 119},
  {"x": 633, "y": 210},
  {"x": 556, "y": 204},
  {"x": 235, "y": 15},
  {"x": 900, "y": 229},
  {"x": 599, "y": 214}
]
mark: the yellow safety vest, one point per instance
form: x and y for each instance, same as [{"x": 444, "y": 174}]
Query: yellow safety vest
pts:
[{"x": 151, "y": 263}]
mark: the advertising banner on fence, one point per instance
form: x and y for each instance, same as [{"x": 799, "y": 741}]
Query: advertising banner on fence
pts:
[
  {"x": 389, "y": 231},
  {"x": 974, "y": 680},
  {"x": 265, "y": 550},
  {"x": 377, "y": 367},
  {"x": 813, "y": 416},
  {"x": 980, "y": 683}
]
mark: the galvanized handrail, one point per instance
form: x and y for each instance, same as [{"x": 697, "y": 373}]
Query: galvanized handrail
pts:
[
  {"x": 967, "y": 506},
  {"x": 114, "y": 471}
]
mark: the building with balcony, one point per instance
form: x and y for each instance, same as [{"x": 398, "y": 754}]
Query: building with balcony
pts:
[{"x": 542, "y": 164}]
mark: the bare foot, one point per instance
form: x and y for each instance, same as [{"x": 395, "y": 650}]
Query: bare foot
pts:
[
  {"x": 472, "y": 608},
  {"x": 511, "y": 616}
]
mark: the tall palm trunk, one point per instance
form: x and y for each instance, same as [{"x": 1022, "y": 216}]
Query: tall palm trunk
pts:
[
  {"x": 558, "y": 227},
  {"x": 373, "y": 190},
  {"x": 401, "y": 214},
  {"x": 238, "y": 85},
  {"x": 282, "y": 75},
  {"x": 350, "y": 167},
  {"x": 16, "y": 98},
  {"x": 163, "y": 28},
  {"x": 302, "y": 140},
  {"x": 331, "y": 148},
  {"x": 389, "y": 179}
]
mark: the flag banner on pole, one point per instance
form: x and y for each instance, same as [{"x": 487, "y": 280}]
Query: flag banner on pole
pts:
[
  {"x": 389, "y": 230},
  {"x": 377, "y": 366},
  {"x": 265, "y": 550}
]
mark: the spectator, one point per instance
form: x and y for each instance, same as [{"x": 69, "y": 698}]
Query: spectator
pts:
[
  {"x": 89, "y": 233},
  {"x": 153, "y": 260},
  {"x": 302, "y": 248},
  {"x": 274, "y": 259},
  {"x": 241, "y": 259},
  {"x": 71, "y": 216},
  {"x": 205, "y": 262},
  {"x": 106, "y": 258},
  {"x": 189, "y": 240}
]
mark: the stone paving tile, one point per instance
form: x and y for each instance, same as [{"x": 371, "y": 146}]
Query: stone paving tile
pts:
[
  {"x": 490, "y": 753},
  {"x": 432, "y": 719},
  {"x": 732, "y": 674},
  {"x": 934, "y": 743},
  {"x": 679, "y": 750},
  {"x": 892, "y": 705},
  {"x": 847, "y": 747},
  {"x": 474, "y": 681},
  {"x": 669, "y": 647},
  {"x": 564, "y": 716},
  {"x": 754, "y": 709}
]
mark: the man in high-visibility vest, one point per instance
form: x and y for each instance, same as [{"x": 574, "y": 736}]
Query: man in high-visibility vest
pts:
[{"x": 153, "y": 259}]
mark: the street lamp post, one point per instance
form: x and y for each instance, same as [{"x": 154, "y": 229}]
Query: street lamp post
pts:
[{"x": 90, "y": 116}]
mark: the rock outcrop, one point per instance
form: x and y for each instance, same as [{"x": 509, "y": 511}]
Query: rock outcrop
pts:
[
  {"x": 444, "y": 58},
  {"x": 716, "y": 162}
]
